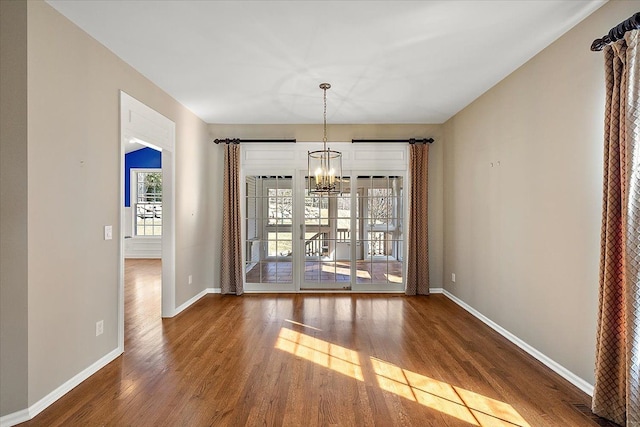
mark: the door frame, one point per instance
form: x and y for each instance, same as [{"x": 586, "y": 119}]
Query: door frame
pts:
[
  {"x": 142, "y": 124},
  {"x": 291, "y": 160}
]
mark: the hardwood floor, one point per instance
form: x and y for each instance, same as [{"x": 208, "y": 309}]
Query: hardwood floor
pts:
[{"x": 307, "y": 360}]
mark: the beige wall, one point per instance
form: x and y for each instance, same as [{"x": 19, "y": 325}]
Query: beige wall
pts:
[
  {"x": 342, "y": 133},
  {"x": 13, "y": 206},
  {"x": 522, "y": 236},
  {"x": 73, "y": 156}
]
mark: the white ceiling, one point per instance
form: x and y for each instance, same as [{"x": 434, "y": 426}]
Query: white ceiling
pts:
[{"x": 387, "y": 61}]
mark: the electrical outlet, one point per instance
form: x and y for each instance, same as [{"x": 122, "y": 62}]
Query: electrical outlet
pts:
[
  {"x": 453, "y": 277},
  {"x": 190, "y": 279},
  {"x": 99, "y": 327}
]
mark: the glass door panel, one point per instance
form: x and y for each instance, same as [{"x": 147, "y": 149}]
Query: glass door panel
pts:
[
  {"x": 269, "y": 233},
  {"x": 296, "y": 240},
  {"x": 326, "y": 228},
  {"x": 379, "y": 266}
]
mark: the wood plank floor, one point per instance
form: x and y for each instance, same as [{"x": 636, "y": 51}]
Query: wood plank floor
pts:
[{"x": 311, "y": 360}]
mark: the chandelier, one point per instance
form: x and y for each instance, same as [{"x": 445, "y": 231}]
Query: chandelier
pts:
[{"x": 324, "y": 166}]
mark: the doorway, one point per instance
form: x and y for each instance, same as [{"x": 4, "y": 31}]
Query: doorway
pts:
[
  {"x": 143, "y": 126},
  {"x": 296, "y": 241},
  {"x": 354, "y": 241}
]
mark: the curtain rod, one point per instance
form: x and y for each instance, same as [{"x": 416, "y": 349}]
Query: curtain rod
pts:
[
  {"x": 617, "y": 32},
  {"x": 410, "y": 141},
  {"x": 242, "y": 141}
]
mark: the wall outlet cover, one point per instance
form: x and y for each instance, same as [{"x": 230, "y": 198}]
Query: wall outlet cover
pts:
[{"x": 99, "y": 327}]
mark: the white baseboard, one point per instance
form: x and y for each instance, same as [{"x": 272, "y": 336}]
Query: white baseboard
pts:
[
  {"x": 15, "y": 418},
  {"x": 195, "y": 298},
  {"x": 547, "y": 361},
  {"x": 188, "y": 303},
  {"x": 45, "y": 402},
  {"x": 27, "y": 414}
]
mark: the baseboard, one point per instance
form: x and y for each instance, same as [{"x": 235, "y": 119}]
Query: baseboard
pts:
[
  {"x": 14, "y": 418},
  {"x": 545, "y": 360},
  {"x": 195, "y": 298},
  {"x": 45, "y": 402},
  {"x": 27, "y": 414},
  {"x": 189, "y": 302}
]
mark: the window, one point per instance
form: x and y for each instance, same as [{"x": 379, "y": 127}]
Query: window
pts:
[{"x": 148, "y": 203}]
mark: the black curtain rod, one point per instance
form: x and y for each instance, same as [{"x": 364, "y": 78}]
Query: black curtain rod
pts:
[
  {"x": 291, "y": 141},
  {"x": 617, "y": 32},
  {"x": 409, "y": 141},
  {"x": 242, "y": 141}
]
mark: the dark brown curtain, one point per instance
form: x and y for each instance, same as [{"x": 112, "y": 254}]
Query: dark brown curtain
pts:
[
  {"x": 616, "y": 393},
  {"x": 418, "y": 256},
  {"x": 231, "y": 255}
]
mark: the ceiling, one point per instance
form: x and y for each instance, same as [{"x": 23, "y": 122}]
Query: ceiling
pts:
[{"x": 260, "y": 62}]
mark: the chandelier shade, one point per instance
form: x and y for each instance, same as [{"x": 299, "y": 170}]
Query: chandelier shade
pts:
[
  {"x": 324, "y": 167},
  {"x": 325, "y": 171}
]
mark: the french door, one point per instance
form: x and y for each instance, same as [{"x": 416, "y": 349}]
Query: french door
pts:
[
  {"x": 269, "y": 247},
  {"x": 297, "y": 241},
  {"x": 326, "y": 231}
]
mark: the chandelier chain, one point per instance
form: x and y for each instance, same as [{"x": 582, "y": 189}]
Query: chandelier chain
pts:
[{"x": 324, "y": 139}]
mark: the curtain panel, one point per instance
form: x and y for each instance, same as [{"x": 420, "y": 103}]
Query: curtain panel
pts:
[
  {"x": 231, "y": 254},
  {"x": 418, "y": 256},
  {"x": 617, "y": 388}
]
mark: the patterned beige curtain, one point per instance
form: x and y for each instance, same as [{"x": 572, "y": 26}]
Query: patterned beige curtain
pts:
[
  {"x": 231, "y": 258},
  {"x": 616, "y": 394},
  {"x": 418, "y": 256}
]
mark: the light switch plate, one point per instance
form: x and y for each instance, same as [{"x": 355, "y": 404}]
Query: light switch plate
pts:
[{"x": 108, "y": 232}]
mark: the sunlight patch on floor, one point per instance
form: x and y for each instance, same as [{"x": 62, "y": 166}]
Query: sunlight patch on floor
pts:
[
  {"x": 325, "y": 354},
  {"x": 465, "y": 405},
  {"x": 328, "y": 268},
  {"x": 457, "y": 402}
]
